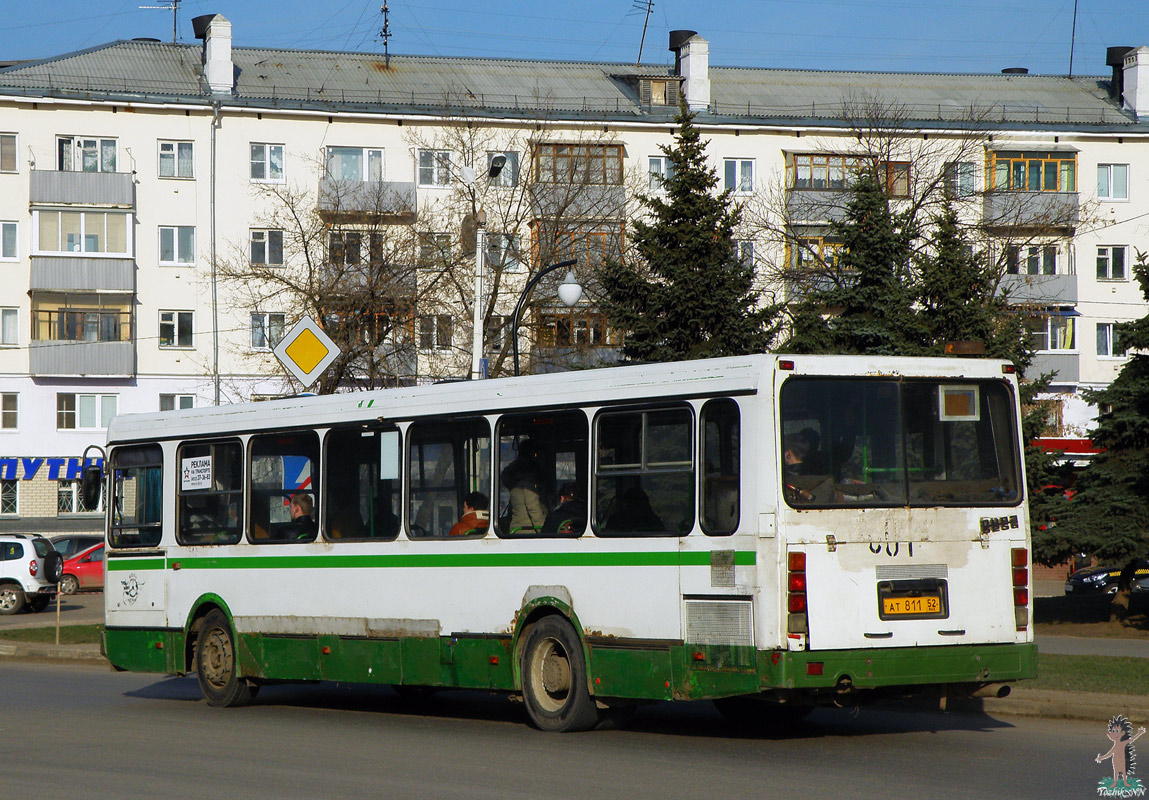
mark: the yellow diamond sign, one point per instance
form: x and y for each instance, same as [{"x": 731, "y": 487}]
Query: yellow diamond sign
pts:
[{"x": 306, "y": 350}]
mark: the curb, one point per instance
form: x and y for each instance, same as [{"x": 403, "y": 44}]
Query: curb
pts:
[{"x": 36, "y": 651}]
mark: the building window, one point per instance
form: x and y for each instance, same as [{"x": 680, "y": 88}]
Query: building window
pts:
[
  {"x": 815, "y": 253},
  {"x": 579, "y": 164},
  {"x": 9, "y": 411},
  {"x": 266, "y": 330},
  {"x": 81, "y": 154},
  {"x": 739, "y": 175},
  {"x": 174, "y": 402},
  {"x": 177, "y": 245},
  {"x": 823, "y": 171},
  {"x": 176, "y": 160},
  {"x": 354, "y": 164},
  {"x": 497, "y": 334},
  {"x": 591, "y": 243},
  {"x": 435, "y": 332},
  {"x": 8, "y": 239},
  {"x": 661, "y": 170},
  {"x": 267, "y": 248},
  {"x": 267, "y": 162},
  {"x": 1107, "y": 340},
  {"x": 7, "y": 152},
  {"x": 70, "y": 500},
  {"x": 434, "y": 250},
  {"x": 69, "y": 232},
  {"x": 1031, "y": 260},
  {"x": 1032, "y": 171},
  {"x": 9, "y": 497},
  {"x": 84, "y": 412},
  {"x": 175, "y": 329},
  {"x": 82, "y": 325},
  {"x": 509, "y": 175},
  {"x": 898, "y": 178},
  {"x": 575, "y": 327},
  {"x": 1053, "y": 331},
  {"x": 1112, "y": 182},
  {"x": 9, "y": 327},
  {"x": 434, "y": 167},
  {"x": 744, "y": 252},
  {"x": 345, "y": 248},
  {"x": 503, "y": 252},
  {"x": 960, "y": 177},
  {"x": 1111, "y": 261}
]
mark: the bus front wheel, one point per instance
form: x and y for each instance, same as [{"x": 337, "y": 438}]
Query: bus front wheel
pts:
[
  {"x": 216, "y": 664},
  {"x": 555, "y": 679}
]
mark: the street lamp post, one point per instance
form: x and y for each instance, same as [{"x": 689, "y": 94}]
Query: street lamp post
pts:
[
  {"x": 480, "y": 218},
  {"x": 569, "y": 293}
]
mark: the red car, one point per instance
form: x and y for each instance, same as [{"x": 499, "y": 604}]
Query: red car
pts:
[{"x": 85, "y": 570}]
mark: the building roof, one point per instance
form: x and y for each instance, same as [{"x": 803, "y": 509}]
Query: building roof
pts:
[{"x": 151, "y": 71}]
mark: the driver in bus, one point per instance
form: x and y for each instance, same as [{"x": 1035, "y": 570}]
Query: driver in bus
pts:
[{"x": 794, "y": 451}]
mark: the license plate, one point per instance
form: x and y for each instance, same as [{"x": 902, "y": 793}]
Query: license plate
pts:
[{"x": 911, "y": 606}]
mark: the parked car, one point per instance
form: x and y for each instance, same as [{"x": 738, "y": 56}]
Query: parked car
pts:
[
  {"x": 29, "y": 570},
  {"x": 85, "y": 570},
  {"x": 70, "y": 544},
  {"x": 1093, "y": 580}
]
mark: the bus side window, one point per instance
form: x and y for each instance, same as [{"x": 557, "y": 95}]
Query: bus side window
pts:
[
  {"x": 644, "y": 472},
  {"x": 542, "y": 474},
  {"x": 362, "y": 490},
  {"x": 448, "y": 461},
  {"x": 210, "y": 492},
  {"x": 137, "y": 496},
  {"x": 721, "y": 452},
  {"x": 284, "y": 467}
]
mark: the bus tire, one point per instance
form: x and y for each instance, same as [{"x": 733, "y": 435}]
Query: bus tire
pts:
[
  {"x": 11, "y": 598},
  {"x": 555, "y": 678},
  {"x": 216, "y": 666}
]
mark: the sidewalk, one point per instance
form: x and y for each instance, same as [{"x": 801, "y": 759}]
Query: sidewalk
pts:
[{"x": 40, "y": 651}]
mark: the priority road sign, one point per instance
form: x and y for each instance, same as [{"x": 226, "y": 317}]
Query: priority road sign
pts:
[{"x": 306, "y": 351}]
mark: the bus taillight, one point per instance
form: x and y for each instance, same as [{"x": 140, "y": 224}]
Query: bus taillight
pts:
[
  {"x": 1019, "y": 561},
  {"x": 796, "y": 594}
]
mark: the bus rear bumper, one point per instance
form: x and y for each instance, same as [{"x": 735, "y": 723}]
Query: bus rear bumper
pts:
[{"x": 897, "y": 667}]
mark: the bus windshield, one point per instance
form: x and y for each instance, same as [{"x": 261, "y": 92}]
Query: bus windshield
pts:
[{"x": 872, "y": 442}]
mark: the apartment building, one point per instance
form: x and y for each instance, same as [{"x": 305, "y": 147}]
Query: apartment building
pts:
[{"x": 168, "y": 210}]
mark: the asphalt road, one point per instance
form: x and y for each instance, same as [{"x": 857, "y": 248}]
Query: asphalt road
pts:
[{"x": 86, "y": 732}]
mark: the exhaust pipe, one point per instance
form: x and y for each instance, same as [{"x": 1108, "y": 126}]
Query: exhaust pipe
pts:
[{"x": 993, "y": 690}]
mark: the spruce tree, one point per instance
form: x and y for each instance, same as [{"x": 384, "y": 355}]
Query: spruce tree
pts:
[
  {"x": 870, "y": 309},
  {"x": 1109, "y": 513},
  {"x": 685, "y": 293}
]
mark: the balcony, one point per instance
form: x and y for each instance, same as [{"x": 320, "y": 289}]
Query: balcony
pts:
[
  {"x": 52, "y": 187},
  {"x": 1045, "y": 290},
  {"x": 71, "y": 274},
  {"x": 1041, "y": 210},
  {"x": 816, "y": 206},
  {"x": 577, "y": 201},
  {"x": 367, "y": 199},
  {"x": 1065, "y": 365},
  {"x": 66, "y": 358}
]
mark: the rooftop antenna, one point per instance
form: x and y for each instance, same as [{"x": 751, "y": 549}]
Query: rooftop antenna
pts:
[
  {"x": 646, "y": 6},
  {"x": 1072, "y": 38},
  {"x": 385, "y": 33},
  {"x": 172, "y": 6}
]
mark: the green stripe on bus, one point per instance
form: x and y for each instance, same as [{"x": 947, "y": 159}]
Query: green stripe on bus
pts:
[
  {"x": 408, "y": 560},
  {"x": 134, "y": 564}
]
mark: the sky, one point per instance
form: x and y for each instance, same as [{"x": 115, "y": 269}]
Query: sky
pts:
[{"x": 867, "y": 35}]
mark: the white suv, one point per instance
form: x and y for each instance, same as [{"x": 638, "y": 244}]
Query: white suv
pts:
[{"x": 29, "y": 571}]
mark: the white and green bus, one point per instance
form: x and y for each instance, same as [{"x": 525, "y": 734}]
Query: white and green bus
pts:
[{"x": 767, "y": 532}]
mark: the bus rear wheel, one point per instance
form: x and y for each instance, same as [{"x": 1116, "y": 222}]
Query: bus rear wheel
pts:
[
  {"x": 555, "y": 678},
  {"x": 216, "y": 664}
]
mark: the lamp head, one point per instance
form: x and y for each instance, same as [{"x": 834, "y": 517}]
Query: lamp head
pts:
[
  {"x": 497, "y": 164},
  {"x": 570, "y": 290}
]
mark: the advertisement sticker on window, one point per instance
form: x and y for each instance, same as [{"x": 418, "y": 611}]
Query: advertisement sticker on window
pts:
[{"x": 195, "y": 473}]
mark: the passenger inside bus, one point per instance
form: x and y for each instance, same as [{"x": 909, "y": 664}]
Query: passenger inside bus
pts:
[
  {"x": 476, "y": 516},
  {"x": 571, "y": 513},
  {"x": 523, "y": 477},
  {"x": 302, "y": 525}
]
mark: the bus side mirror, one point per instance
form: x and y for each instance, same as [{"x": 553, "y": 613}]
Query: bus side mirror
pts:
[{"x": 90, "y": 485}]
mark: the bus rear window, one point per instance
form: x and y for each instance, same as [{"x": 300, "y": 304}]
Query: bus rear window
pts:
[{"x": 858, "y": 442}]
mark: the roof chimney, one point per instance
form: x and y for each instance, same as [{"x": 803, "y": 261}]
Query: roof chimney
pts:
[
  {"x": 1115, "y": 58},
  {"x": 1135, "y": 81},
  {"x": 692, "y": 64},
  {"x": 218, "y": 68}
]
